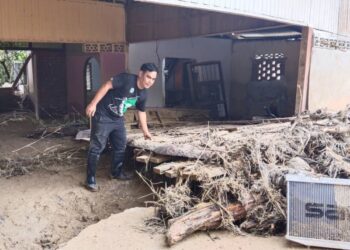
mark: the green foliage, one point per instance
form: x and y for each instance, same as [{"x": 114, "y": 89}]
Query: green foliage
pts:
[{"x": 7, "y": 59}]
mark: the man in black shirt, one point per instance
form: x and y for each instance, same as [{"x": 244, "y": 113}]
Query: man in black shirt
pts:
[{"x": 107, "y": 110}]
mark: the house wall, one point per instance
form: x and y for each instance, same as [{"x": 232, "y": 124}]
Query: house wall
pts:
[
  {"x": 329, "y": 85},
  {"x": 51, "y": 82},
  {"x": 110, "y": 64},
  {"x": 200, "y": 49},
  {"x": 242, "y": 54},
  {"x": 76, "y": 82}
]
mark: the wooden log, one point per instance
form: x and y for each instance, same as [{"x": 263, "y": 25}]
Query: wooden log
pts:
[
  {"x": 337, "y": 130},
  {"x": 202, "y": 217}
]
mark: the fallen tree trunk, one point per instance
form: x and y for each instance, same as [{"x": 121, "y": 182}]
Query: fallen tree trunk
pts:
[
  {"x": 202, "y": 217},
  {"x": 337, "y": 130}
]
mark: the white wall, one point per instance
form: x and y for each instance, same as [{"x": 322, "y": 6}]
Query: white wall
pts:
[
  {"x": 329, "y": 85},
  {"x": 200, "y": 49},
  {"x": 31, "y": 87}
]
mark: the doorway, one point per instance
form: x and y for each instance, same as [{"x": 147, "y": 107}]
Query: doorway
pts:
[{"x": 176, "y": 82}]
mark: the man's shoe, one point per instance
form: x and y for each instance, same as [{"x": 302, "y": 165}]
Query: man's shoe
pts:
[
  {"x": 92, "y": 187},
  {"x": 91, "y": 184},
  {"x": 122, "y": 176}
]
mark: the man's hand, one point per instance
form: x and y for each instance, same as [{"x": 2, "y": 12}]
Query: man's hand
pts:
[
  {"x": 147, "y": 136},
  {"x": 90, "y": 110},
  {"x": 101, "y": 92},
  {"x": 143, "y": 125}
]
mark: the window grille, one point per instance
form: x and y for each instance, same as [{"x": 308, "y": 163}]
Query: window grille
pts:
[
  {"x": 269, "y": 67},
  {"x": 88, "y": 77},
  {"x": 103, "y": 47}
]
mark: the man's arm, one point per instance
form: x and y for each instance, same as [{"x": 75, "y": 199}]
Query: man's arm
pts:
[
  {"x": 143, "y": 123},
  {"x": 101, "y": 92}
]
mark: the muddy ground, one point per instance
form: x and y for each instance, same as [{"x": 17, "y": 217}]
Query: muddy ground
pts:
[
  {"x": 49, "y": 204},
  {"x": 48, "y": 208},
  {"x": 126, "y": 231}
]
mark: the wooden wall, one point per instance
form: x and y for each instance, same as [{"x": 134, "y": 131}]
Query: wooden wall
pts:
[{"x": 63, "y": 21}]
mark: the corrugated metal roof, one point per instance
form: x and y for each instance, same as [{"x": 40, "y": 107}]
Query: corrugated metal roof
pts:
[{"x": 319, "y": 14}]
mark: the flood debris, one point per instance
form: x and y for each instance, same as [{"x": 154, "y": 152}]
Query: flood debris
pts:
[
  {"x": 15, "y": 116},
  {"x": 28, "y": 157},
  {"x": 20, "y": 164},
  {"x": 246, "y": 191}
]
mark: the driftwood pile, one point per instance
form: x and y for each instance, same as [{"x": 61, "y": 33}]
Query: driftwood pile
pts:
[{"x": 245, "y": 188}]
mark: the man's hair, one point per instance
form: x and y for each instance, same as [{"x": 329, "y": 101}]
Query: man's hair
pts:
[{"x": 150, "y": 67}]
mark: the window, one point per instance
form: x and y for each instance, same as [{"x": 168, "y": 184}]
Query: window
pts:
[
  {"x": 88, "y": 76},
  {"x": 269, "y": 67}
]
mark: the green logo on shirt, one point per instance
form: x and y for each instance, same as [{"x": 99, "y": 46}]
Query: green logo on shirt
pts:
[
  {"x": 120, "y": 106},
  {"x": 129, "y": 102}
]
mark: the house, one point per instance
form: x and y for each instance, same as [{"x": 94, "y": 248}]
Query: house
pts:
[
  {"x": 311, "y": 35},
  {"x": 272, "y": 57},
  {"x": 66, "y": 38}
]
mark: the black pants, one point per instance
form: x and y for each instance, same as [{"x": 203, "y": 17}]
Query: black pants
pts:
[{"x": 102, "y": 129}]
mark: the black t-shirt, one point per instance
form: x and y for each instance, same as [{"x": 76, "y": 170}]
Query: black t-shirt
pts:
[{"x": 125, "y": 94}]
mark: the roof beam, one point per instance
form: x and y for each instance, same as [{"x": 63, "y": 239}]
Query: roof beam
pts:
[{"x": 148, "y": 22}]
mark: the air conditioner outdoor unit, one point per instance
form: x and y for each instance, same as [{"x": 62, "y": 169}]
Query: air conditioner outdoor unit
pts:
[{"x": 318, "y": 211}]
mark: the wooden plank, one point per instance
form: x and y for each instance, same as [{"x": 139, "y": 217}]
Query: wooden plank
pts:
[
  {"x": 207, "y": 171},
  {"x": 161, "y": 169},
  {"x": 174, "y": 171},
  {"x": 304, "y": 70},
  {"x": 156, "y": 159},
  {"x": 72, "y": 21},
  {"x": 210, "y": 173},
  {"x": 143, "y": 159}
]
